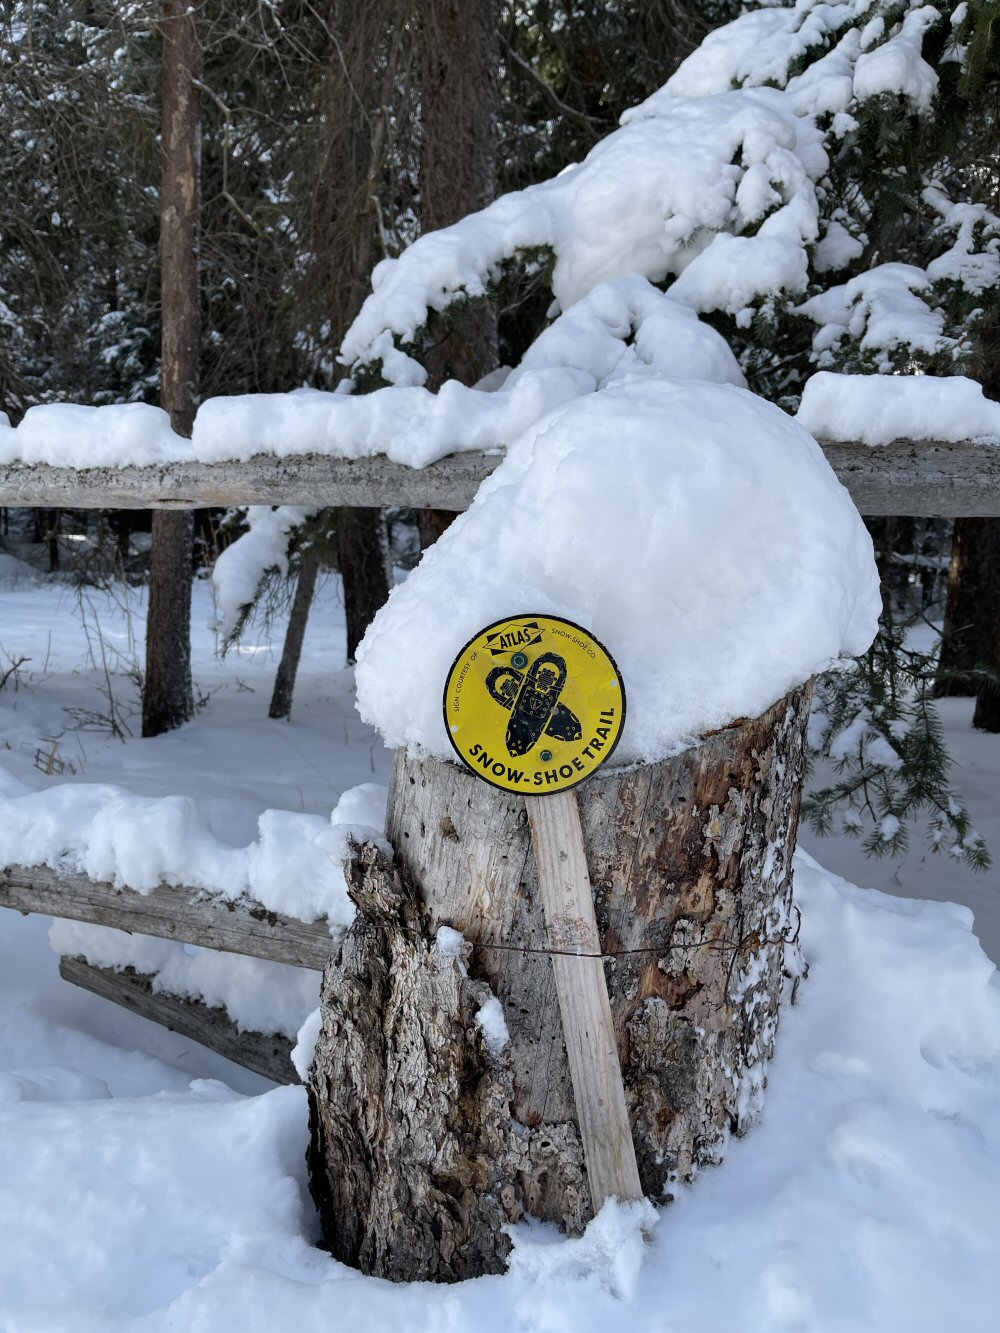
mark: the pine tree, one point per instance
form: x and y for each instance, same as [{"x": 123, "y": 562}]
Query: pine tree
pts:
[{"x": 851, "y": 230}]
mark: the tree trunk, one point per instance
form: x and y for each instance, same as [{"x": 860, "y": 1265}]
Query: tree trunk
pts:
[
  {"x": 288, "y": 667},
  {"x": 168, "y": 698},
  {"x": 363, "y": 563},
  {"x": 349, "y": 182},
  {"x": 987, "y": 714},
  {"x": 409, "y": 1113},
  {"x": 973, "y": 615},
  {"x": 459, "y": 55},
  {"x": 54, "y": 516},
  {"x": 425, "y": 1136},
  {"x": 167, "y": 695},
  {"x": 972, "y": 622}
]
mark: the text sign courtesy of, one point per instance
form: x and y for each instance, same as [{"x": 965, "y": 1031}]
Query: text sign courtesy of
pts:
[{"x": 534, "y": 704}]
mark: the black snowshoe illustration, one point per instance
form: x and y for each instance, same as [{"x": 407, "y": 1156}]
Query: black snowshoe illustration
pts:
[
  {"x": 503, "y": 684},
  {"x": 533, "y": 698}
]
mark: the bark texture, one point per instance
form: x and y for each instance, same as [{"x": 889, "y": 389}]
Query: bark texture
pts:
[
  {"x": 459, "y": 57},
  {"x": 690, "y": 862},
  {"x": 288, "y": 667},
  {"x": 364, "y": 566},
  {"x": 987, "y": 713},
  {"x": 167, "y": 694},
  {"x": 973, "y": 615},
  {"x": 409, "y": 1113},
  {"x": 168, "y": 699}
]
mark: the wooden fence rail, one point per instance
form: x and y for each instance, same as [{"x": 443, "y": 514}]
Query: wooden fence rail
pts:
[
  {"x": 170, "y": 912},
  {"x": 924, "y": 479},
  {"x": 266, "y": 1053}
]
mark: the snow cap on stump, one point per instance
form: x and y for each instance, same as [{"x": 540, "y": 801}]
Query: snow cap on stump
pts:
[{"x": 695, "y": 529}]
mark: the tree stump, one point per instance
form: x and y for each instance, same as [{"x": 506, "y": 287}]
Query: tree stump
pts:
[{"x": 427, "y": 1138}]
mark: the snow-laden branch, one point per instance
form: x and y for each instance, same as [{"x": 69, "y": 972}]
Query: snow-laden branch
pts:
[{"x": 720, "y": 186}]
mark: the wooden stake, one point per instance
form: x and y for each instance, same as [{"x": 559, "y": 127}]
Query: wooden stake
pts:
[{"x": 568, "y": 902}]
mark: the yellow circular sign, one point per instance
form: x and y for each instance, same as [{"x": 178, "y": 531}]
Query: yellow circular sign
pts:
[{"x": 534, "y": 704}]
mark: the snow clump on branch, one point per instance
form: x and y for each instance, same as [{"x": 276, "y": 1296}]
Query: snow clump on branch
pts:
[{"x": 724, "y": 186}]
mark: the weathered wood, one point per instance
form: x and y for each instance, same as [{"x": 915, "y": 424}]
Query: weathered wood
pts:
[
  {"x": 584, "y": 1007},
  {"x": 170, "y": 912},
  {"x": 269, "y": 1054},
  {"x": 412, "y": 1150},
  {"x": 690, "y": 863},
  {"x": 922, "y": 478},
  {"x": 307, "y": 480}
]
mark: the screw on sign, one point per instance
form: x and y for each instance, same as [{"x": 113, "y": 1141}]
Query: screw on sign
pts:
[{"x": 535, "y": 704}]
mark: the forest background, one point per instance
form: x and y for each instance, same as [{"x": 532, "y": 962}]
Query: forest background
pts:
[{"x": 328, "y": 138}]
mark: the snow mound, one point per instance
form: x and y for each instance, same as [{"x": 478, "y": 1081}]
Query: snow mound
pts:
[
  {"x": 877, "y": 409},
  {"x": 622, "y": 327},
  {"x": 200, "y": 1180},
  {"x": 696, "y": 530}
]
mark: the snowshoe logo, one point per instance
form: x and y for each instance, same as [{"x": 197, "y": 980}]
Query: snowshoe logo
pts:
[
  {"x": 533, "y": 698},
  {"x": 509, "y": 639},
  {"x": 542, "y": 719}
]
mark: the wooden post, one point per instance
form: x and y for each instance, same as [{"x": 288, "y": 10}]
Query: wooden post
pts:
[{"x": 568, "y": 903}]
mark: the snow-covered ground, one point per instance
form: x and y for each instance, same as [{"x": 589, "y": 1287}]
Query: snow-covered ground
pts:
[{"x": 146, "y": 1184}]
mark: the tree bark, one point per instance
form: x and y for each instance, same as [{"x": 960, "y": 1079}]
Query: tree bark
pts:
[
  {"x": 973, "y": 615},
  {"x": 167, "y": 694},
  {"x": 459, "y": 57},
  {"x": 972, "y": 622},
  {"x": 987, "y": 714},
  {"x": 168, "y": 698},
  {"x": 363, "y": 563},
  {"x": 288, "y": 667},
  {"x": 408, "y": 1110},
  {"x": 425, "y": 1140}
]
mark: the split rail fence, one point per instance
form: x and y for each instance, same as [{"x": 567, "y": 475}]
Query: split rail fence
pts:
[{"x": 920, "y": 479}]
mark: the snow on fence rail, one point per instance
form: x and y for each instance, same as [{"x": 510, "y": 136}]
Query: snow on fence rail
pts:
[
  {"x": 931, "y": 479},
  {"x": 173, "y": 912}
]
